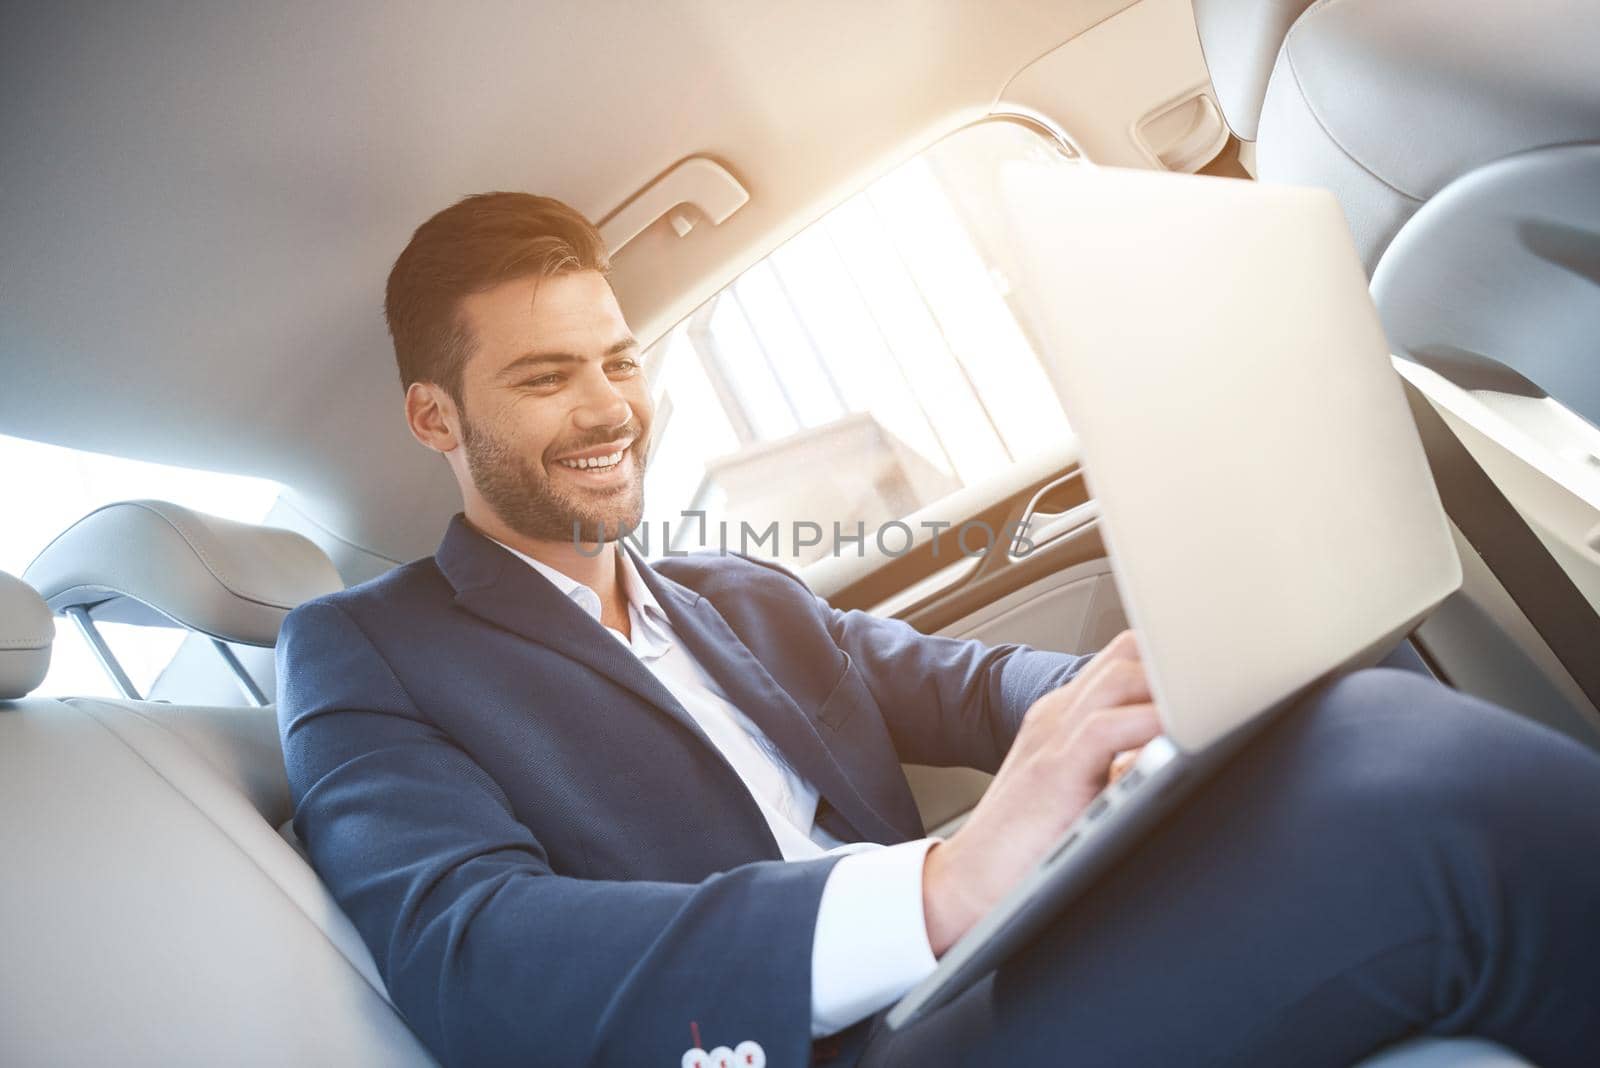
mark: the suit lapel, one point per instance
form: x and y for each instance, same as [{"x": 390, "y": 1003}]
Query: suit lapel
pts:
[
  {"x": 496, "y": 586},
  {"x": 748, "y": 685}
]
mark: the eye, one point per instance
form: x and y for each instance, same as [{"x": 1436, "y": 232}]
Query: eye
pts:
[
  {"x": 544, "y": 381},
  {"x": 627, "y": 365}
]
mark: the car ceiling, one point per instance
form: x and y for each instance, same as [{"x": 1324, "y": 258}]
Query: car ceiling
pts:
[{"x": 199, "y": 203}]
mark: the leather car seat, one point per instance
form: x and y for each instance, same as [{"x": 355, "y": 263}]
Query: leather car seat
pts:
[{"x": 151, "y": 912}]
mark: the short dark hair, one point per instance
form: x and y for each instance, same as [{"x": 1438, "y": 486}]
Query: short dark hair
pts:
[{"x": 474, "y": 245}]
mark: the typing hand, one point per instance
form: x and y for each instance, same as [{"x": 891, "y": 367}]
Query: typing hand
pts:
[
  {"x": 1060, "y": 760},
  {"x": 1122, "y": 762}
]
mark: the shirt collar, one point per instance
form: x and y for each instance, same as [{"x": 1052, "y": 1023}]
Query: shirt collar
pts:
[
  {"x": 638, "y": 593},
  {"x": 641, "y": 601}
]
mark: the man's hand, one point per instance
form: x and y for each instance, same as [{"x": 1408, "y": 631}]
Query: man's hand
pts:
[{"x": 1060, "y": 760}]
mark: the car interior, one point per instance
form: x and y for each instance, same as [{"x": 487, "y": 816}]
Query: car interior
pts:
[{"x": 198, "y": 207}]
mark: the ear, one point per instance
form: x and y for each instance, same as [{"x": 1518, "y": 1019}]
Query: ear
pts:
[{"x": 431, "y": 415}]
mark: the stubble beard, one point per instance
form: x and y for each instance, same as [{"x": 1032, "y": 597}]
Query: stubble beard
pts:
[{"x": 519, "y": 491}]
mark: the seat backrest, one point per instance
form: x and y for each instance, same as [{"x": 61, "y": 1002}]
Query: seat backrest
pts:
[
  {"x": 1388, "y": 103},
  {"x": 151, "y": 913},
  {"x": 1463, "y": 139},
  {"x": 150, "y": 910}
]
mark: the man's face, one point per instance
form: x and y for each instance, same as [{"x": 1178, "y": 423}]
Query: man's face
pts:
[{"x": 555, "y": 412}]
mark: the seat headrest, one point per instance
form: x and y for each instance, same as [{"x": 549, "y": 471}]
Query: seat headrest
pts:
[
  {"x": 1388, "y": 103},
  {"x": 26, "y": 631},
  {"x": 156, "y": 563}
]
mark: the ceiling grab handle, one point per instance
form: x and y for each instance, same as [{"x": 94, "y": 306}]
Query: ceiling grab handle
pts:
[{"x": 697, "y": 181}]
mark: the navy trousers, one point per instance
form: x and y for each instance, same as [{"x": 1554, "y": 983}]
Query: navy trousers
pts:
[{"x": 1388, "y": 859}]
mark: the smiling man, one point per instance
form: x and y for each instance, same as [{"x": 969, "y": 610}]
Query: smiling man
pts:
[{"x": 587, "y": 809}]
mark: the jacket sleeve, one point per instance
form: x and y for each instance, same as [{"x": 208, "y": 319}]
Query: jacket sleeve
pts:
[
  {"x": 491, "y": 955},
  {"x": 947, "y": 701}
]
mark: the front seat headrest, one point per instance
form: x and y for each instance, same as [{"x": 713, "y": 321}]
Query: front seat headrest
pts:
[
  {"x": 26, "y": 631},
  {"x": 1387, "y": 103},
  {"x": 156, "y": 563}
]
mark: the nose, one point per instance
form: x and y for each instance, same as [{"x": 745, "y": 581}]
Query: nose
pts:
[{"x": 600, "y": 404}]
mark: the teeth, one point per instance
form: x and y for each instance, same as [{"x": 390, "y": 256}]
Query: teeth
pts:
[{"x": 594, "y": 461}]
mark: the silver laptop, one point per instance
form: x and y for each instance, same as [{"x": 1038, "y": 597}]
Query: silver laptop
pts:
[{"x": 1263, "y": 494}]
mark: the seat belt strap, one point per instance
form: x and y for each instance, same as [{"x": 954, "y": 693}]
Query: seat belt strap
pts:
[{"x": 1538, "y": 584}]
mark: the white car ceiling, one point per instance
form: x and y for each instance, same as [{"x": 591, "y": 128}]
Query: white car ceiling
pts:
[{"x": 199, "y": 203}]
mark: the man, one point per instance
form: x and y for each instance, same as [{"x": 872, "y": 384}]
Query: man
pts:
[{"x": 586, "y": 809}]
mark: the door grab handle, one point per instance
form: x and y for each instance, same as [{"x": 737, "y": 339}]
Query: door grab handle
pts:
[{"x": 1037, "y": 528}]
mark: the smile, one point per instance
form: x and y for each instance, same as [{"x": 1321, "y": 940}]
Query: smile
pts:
[{"x": 594, "y": 462}]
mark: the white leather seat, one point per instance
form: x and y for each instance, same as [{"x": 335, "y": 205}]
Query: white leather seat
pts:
[
  {"x": 1387, "y": 104},
  {"x": 157, "y": 563},
  {"x": 150, "y": 911}
]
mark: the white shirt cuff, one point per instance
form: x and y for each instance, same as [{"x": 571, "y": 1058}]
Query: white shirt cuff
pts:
[{"x": 871, "y": 940}]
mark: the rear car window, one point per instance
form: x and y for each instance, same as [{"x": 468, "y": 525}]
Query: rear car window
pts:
[{"x": 63, "y": 485}]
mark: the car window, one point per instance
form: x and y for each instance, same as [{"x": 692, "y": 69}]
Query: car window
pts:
[
  {"x": 62, "y": 485},
  {"x": 876, "y": 362}
]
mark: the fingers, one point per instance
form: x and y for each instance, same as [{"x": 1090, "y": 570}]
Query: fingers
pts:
[
  {"x": 1119, "y": 681},
  {"x": 1058, "y": 763},
  {"x": 1115, "y": 677},
  {"x": 1121, "y": 763},
  {"x": 1104, "y": 734},
  {"x": 1119, "y": 658},
  {"x": 1125, "y": 644},
  {"x": 1124, "y": 648},
  {"x": 1124, "y": 683}
]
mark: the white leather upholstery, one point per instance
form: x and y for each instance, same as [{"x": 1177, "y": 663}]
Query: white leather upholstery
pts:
[
  {"x": 1386, "y": 103},
  {"x": 151, "y": 562},
  {"x": 26, "y": 632},
  {"x": 151, "y": 914},
  {"x": 1505, "y": 264},
  {"x": 1241, "y": 41}
]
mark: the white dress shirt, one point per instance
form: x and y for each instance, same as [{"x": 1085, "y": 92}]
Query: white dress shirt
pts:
[{"x": 871, "y": 939}]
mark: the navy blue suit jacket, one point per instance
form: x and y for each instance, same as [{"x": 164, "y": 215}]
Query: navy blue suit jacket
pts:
[{"x": 548, "y": 858}]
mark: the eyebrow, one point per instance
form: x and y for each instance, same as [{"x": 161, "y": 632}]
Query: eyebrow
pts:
[{"x": 530, "y": 360}]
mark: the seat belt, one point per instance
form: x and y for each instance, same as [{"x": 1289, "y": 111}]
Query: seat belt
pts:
[{"x": 1536, "y": 582}]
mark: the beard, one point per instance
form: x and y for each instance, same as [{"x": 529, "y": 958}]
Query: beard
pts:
[{"x": 521, "y": 493}]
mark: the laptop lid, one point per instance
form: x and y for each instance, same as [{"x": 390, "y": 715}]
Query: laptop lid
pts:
[{"x": 1265, "y": 500}]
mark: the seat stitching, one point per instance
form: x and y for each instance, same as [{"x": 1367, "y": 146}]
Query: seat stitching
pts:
[
  {"x": 85, "y": 706},
  {"x": 170, "y": 732},
  {"x": 184, "y": 623},
  {"x": 27, "y": 644},
  {"x": 227, "y": 584},
  {"x": 1294, "y": 72}
]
